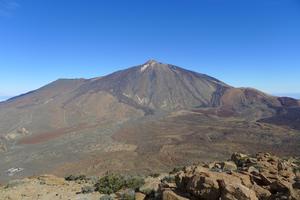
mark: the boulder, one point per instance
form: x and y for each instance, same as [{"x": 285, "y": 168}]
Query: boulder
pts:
[
  {"x": 170, "y": 195},
  {"x": 139, "y": 196},
  {"x": 253, "y": 170},
  {"x": 203, "y": 187},
  {"x": 287, "y": 174},
  {"x": 181, "y": 180},
  {"x": 281, "y": 186},
  {"x": 236, "y": 191},
  {"x": 239, "y": 159},
  {"x": 296, "y": 184},
  {"x": 261, "y": 193},
  {"x": 264, "y": 180},
  {"x": 151, "y": 185},
  {"x": 282, "y": 165},
  {"x": 228, "y": 166}
]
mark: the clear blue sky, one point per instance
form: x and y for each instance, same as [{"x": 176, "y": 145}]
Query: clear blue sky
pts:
[{"x": 253, "y": 43}]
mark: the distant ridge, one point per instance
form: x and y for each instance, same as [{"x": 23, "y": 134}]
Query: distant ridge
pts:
[
  {"x": 292, "y": 95},
  {"x": 4, "y": 98}
]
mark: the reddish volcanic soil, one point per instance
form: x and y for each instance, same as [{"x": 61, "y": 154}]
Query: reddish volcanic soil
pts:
[{"x": 47, "y": 136}]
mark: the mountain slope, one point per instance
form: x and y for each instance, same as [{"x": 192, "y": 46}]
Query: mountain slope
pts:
[{"x": 158, "y": 86}]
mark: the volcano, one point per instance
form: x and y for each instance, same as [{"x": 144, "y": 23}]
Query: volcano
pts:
[{"x": 147, "y": 117}]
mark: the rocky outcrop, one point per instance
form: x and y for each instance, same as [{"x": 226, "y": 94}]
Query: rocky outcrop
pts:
[
  {"x": 262, "y": 177},
  {"x": 152, "y": 184}
]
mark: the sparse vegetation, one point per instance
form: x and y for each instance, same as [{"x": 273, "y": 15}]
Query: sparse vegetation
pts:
[
  {"x": 106, "y": 197},
  {"x": 112, "y": 183},
  {"x": 175, "y": 170},
  {"x": 297, "y": 167},
  {"x": 134, "y": 182},
  {"x": 75, "y": 178},
  {"x": 154, "y": 175},
  {"x": 168, "y": 179},
  {"x": 87, "y": 189},
  {"x": 149, "y": 192},
  {"x": 128, "y": 195}
]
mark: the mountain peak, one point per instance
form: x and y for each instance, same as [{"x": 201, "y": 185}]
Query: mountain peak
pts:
[{"x": 151, "y": 63}]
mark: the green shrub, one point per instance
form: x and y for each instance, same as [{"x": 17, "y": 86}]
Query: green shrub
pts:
[
  {"x": 134, "y": 182},
  {"x": 175, "y": 170},
  {"x": 110, "y": 184},
  {"x": 70, "y": 178},
  {"x": 128, "y": 195},
  {"x": 87, "y": 189},
  {"x": 75, "y": 177},
  {"x": 149, "y": 192},
  {"x": 93, "y": 179},
  {"x": 106, "y": 197},
  {"x": 296, "y": 170},
  {"x": 168, "y": 179},
  {"x": 154, "y": 175}
]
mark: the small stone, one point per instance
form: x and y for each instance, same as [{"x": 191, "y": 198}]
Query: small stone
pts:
[
  {"x": 239, "y": 159},
  {"x": 296, "y": 185},
  {"x": 282, "y": 165},
  {"x": 151, "y": 185},
  {"x": 265, "y": 180},
  {"x": 228, "y": 166},
  {"x": 253, "y": 170},
  {"x": 139, "y": 196}
]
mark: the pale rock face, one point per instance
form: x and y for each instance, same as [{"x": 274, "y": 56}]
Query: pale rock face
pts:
[
  {"x": 150, "y": 63},
  {"x": 144, "y": 67}
]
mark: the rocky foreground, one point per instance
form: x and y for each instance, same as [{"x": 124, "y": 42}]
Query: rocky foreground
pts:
[{"x": 242, "y": 177}]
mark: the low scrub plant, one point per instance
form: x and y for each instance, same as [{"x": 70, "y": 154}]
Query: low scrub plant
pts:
[
  {"x": 112, "y": 183},
  {"x": 75, "y": 177},
  {"x": 169, "y": 179},
  {"x": 154, "y": 175},
  {"x": 87, "y": 189},
  {"x": 134, "y": 182},
  {"x": 176, "y": 170},
  {"x": 106, "y": 197}
]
